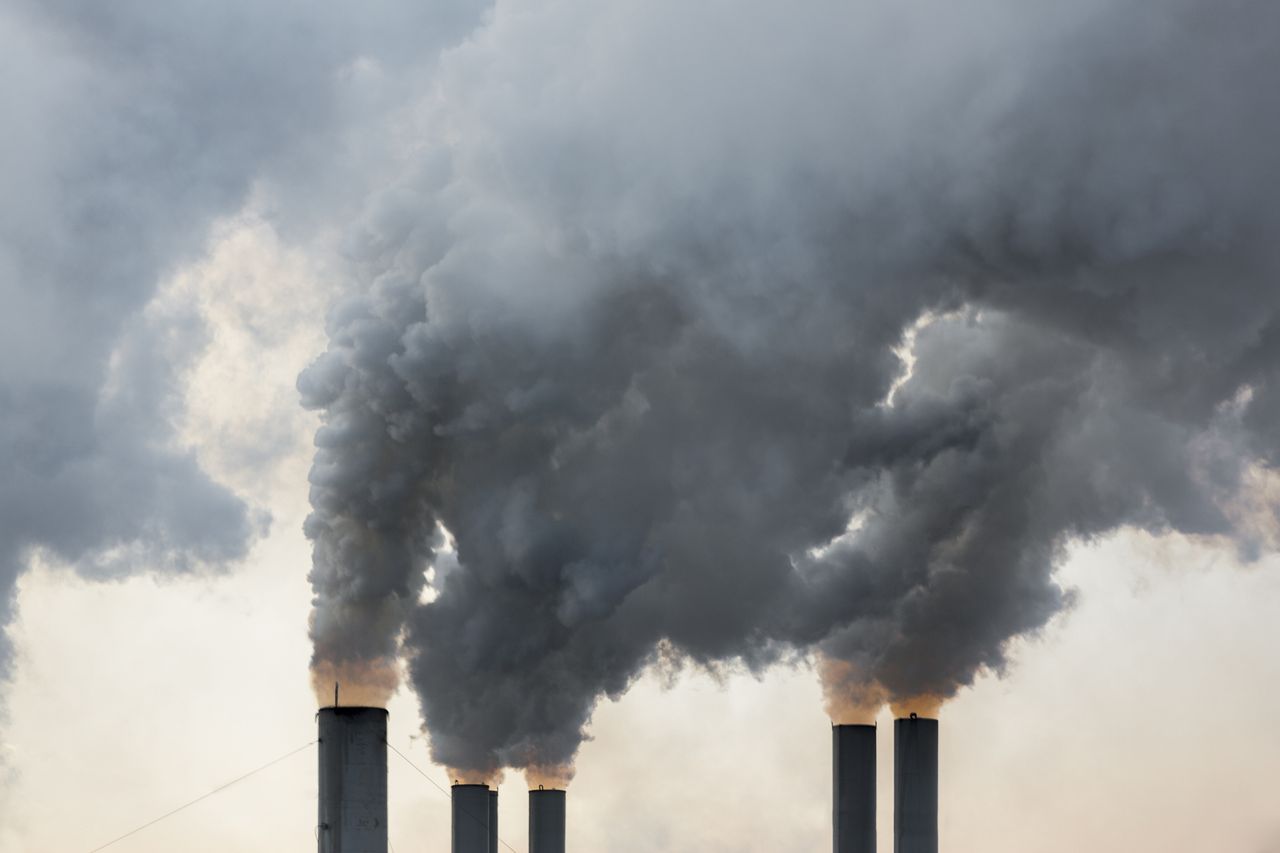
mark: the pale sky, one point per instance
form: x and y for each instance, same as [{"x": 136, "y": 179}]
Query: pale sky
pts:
[{"x": 199, "y": 199}]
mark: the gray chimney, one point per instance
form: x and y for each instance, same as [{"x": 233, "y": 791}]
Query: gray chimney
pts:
[
  {"x": 353, "y": 780},
  {"x": 853, "y": 789},
  {"x": 470, "y": 818},
  {"x": 546, "y": 820},
  {"x": 915, "y": 785},
  {"x": 493, "y": 821}
]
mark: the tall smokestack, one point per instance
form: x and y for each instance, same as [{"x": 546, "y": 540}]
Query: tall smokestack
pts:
[
  {"x": 915, "y": 785},
  {"x": 470, "y": 819},
  {"x": 853, "y": 789},
  {"x": 493, "y": 821},
  {"x": 546, "y": 820},
  {"x": 353, "y": 780}
]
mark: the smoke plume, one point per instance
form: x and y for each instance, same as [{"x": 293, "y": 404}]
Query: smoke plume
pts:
[
  {"x": 797, "y": 331},
  {"x": 130, "y": 128}
]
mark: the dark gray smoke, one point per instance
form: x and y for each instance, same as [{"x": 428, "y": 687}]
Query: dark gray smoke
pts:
[{"x": 745, "y": 335}]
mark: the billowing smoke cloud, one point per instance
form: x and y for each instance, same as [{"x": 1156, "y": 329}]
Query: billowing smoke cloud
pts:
[
  {"x": 741, "y": 335},
  {"x": 129, "y": 127}
]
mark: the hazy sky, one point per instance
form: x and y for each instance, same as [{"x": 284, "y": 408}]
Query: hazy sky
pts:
[{"x": 201, "y": 201}]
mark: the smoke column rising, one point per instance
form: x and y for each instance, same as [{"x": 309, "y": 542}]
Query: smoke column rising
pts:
[
  {"x": 746, "y": 336},
  {"x": 130, "y": 129}
]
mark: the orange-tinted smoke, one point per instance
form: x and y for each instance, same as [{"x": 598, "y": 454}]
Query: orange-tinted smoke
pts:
[
  {"x": 461, "y": 776},
  {"x": 849, "y": 696},
  {"x": 926, "y": 705},
  {"x": 549, "y": 775},
  {"x": 366, "y": 683}
]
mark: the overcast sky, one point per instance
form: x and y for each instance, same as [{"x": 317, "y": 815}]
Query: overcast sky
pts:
[{"x": 1007, "y": 272}]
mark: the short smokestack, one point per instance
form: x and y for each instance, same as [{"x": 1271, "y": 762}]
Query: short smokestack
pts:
[
  {"x": 853, "y": 788},
  {"x": 546, "y": 820},
  {"x": 915, "y": 785},
  {"x": 493, "y": 821},
  {"x": 353, "y": 780},
  {"x": 471, "y": 819}
]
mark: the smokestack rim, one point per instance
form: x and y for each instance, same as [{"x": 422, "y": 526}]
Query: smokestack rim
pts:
[
  {"x": 855, "y": 725},
  {"x": 351, "y": 709}
]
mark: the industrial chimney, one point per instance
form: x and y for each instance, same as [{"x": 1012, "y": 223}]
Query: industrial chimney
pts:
[
  {"x": 493, "y": 821},
  {"x": 853, "y": 788},
  {"x": 353, "y": 780},
  {"x": 915, "y": 785},
  {"x": 471, "y": 818},
  {"x": 546, "y": 820}
]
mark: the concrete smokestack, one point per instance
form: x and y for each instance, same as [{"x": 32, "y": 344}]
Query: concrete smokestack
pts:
[
  {"x": 853, "y": 789},
  {"x": 546, "y": 820},
  {"x": 493, "y": 821},
  {"x": 915, "y": 785},
  {"x": 470, "y": 819},
  {"x": 353, "y": 780}
]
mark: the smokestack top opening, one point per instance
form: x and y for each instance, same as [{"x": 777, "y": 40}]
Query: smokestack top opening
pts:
[
  {"x": 916, "y": 718},
  {"x": 351, "y": 709},
  {"x": 853, "y": 725},
  {"x": 471, "y": 785}
]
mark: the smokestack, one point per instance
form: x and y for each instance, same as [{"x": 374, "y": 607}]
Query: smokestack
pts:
[
  {"x": 471, "y": 819},
  {"x": 915, "y": 785},
  {"x": 353, "y": 780},
  {"x": 853, "y": 788},
  {"x": 546, "y": 820},
  {"x": 493, "y": 821}
]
